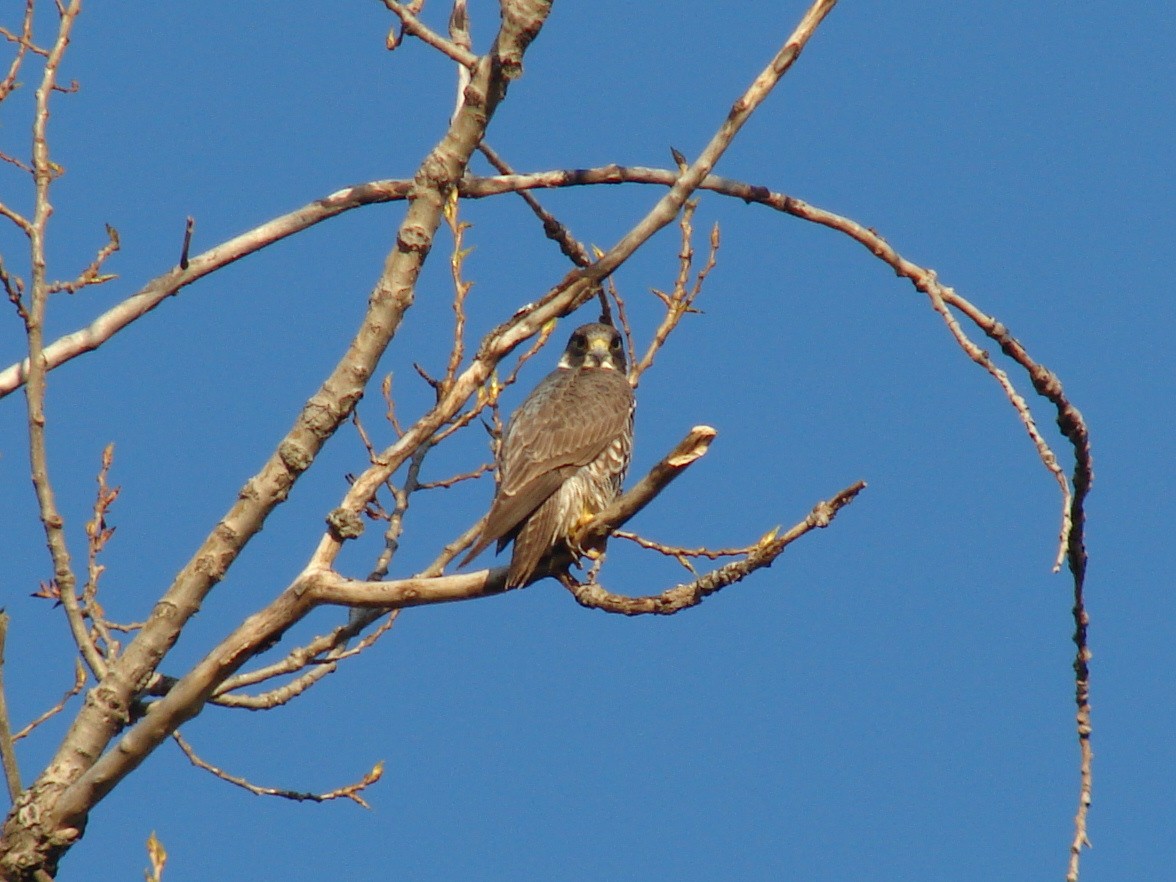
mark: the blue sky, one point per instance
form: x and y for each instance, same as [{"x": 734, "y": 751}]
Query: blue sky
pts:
[{"x": 893, "y": 698}]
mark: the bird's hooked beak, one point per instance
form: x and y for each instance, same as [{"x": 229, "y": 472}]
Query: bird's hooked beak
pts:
[{"x": 598, "y": 354}]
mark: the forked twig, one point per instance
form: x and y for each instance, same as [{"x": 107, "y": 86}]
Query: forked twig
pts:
[
  {"x": 681, "y": 300},
  {"x": 92, "y": 274},
  {"x": 321, "y": 656},
  {"x": 684, "y": 596}
]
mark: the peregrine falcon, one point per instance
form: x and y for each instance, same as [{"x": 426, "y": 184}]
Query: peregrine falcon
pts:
[{"x": 564, "y": 453}]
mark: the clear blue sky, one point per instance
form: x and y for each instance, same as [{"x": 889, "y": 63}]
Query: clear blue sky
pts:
[{"x": 893, "y": 699}]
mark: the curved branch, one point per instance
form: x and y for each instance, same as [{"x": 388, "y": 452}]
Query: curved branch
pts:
[{"x": 347, "y": 791}]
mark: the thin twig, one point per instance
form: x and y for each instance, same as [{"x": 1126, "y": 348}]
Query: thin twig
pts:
[
  {"x": 935, "y": 292},
  {"x": 24, "y": 43},
  {"x": 92, "y": 274},
  {"x": 461, "y": 288},
  {"x": 14, "y": 288},
  {"x": 79, "y": 682},
  {"x": 350, "y": 791},
  {"x": 98, "y": 533},
  {"x": 422, "y": 32},
  {"x": 457, "y": 479},
  {"x": 390, "y": 406},
  {"x": 681, "y": 300},
  {"x": 614, "y": 294},
  {"x": 552, "y": 228},
  {"x": 334, "y": 645},
  {"x": 364, "y": 439},
  {"x": 678, "y": 551},
  {"x": 189, "y": 228}
]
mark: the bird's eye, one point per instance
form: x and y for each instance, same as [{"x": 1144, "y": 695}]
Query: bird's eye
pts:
[
  {"x": 579, "y": 341},
  {"x": 614, "y": 344}
]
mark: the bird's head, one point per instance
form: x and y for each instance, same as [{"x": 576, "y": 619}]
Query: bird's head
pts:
[{"x": 594, "y": 346}]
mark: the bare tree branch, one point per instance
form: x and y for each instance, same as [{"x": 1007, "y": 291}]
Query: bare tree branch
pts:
[
  {"x": 678, "y": 552},
  {"x": 687, "y": 451},
  {"x": 98, "y": 533},
  {"x": 24, "y": 43},
  {"x": 321, "y": 655},
  {"x": 349, "y": 791},
  {"x": 186, "y": 697},
  {"x": 569, "y": 246},
  {"x": 1045, "y": 382},
  {"x": 681, "y": 597},
  {"x": 552, "y": 228},
  {"x": 92, "y": 274},
  {"x": 296, "y": 452},
  {"x": 168, "y": 284},
  {"x": 159, "y": 289},
  {"x": 413, "y": 25},
  {"x": 79, "y": 682},
  {"x": 681, "y": 301}
]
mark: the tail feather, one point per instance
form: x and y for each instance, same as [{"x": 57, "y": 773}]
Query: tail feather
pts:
[{"x": 534, "y": 539}]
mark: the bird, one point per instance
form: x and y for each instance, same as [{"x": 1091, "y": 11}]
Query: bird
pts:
[{"x": 564, "y": 453}]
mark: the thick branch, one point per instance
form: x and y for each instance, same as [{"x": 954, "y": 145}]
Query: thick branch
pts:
[{"x": 329, "y": 587}]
